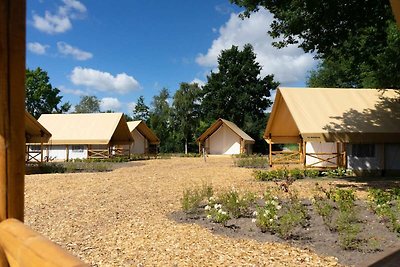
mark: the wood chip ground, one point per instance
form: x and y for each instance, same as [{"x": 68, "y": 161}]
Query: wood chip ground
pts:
[{"x": 120, "y": 218}]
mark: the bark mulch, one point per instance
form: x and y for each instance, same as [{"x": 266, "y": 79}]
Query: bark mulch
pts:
[{"x": 121, "y": 218}]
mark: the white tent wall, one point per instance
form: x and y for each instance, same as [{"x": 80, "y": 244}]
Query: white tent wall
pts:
[
  {"x": 392, "y": 157},
  {"x": 316, "y": 147},
  {"x": 59, "y": 152},
  {"x": 224, "y": 141},
  {"x": 140, "y": 144},
  {"x": 361, "y": 164}
]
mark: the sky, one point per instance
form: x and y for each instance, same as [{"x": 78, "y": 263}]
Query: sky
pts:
[{"x": 120, "y": 50}]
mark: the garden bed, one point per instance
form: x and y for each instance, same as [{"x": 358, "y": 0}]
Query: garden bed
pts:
[{"x": 332, "y": 223}]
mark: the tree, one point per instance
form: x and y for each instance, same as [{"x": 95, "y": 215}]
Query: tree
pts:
[
  {"x": 237, "y": 92},
  {"x": 88, "y": 104},
  {"x": 159, "y": 119},
  {"x": 141, "y": 111},
  {"x": 41, "y": 97},
  {"x": 186, "y": 111},
  {"x": 355, "y": 37}
]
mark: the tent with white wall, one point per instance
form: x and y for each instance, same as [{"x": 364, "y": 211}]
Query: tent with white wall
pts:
[
  {"x": 35, "y": 136},
  {"x": 145, "y": 140},
  {"x": 225, "y": 138},
  {"x": 86, "y": 135},
  {"x": 357, "y": 129}
]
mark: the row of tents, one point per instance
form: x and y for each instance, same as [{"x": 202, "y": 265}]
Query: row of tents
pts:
[{"x": 357, "y": 129}]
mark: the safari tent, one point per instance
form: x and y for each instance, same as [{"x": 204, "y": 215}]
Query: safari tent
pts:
[
  {"x": 358, "y": 129},
  {"x": 86, "y": 136},
  {"x": 34, "y": 133},
  {"x": 225, "y": 138},
  {"x": 145, "y": 140}
]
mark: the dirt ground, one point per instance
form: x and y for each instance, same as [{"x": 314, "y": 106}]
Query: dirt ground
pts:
[{"x": 122, "y": 218}]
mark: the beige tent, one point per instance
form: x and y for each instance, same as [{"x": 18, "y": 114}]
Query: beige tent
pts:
[
  {"x": 225, "y": 137},
  {"x": 91, "y": 135},
  {"x": 145, "y": 139},
  {"x": 324, "y": 121},
  {"x": 34, "y": 133}
]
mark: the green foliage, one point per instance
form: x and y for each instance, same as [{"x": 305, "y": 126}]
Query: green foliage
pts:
[
  {"x": 357, "y": 41},
  {"x": 339, "y": 172},
  {"x": 311, "y": 173},
  {"x": 238, "y": 93},
  {"x": 41, "y": 97},
  {"x": 160, "y": 121},
  {"x": 279, "y": 174},
  {"x": 193, "y": 197},
  {"x": 346, "y": 221},
  {"x": 281, "y": 217},
  {"x": 50, "y": 167},
  {"x": 88, "y": 104},
  {"x": 251, "y": 162},
  {"x": 237, "y": 205},
  {"x": 141, "y": 110},
  {"x": 216, "y": 213},
  {"x": 186, "y": 113},
  {"x": 386, "y": 204}
]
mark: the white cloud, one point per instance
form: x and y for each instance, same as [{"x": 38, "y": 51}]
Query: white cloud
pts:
[
  {"x": 104, "y": 81},
  {"x": 289, "y": 64},
  {"x": 61, "y": 21},
  {"x": 72, "y": 91},
  {"x": 198, "y": 81},
  {"x": 75, "y": 52},
  {"x": 37, "y": 48},
  {"x": 131, "y": 106},
  {"x": 110, "y": 103}
]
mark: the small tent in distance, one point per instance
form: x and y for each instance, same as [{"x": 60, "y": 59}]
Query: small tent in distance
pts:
[
  {"x": 86, "y": 136},
  {"x": 225, "y": 138},
  {"x": 357, "y": 129},
  {"x": 145, "y": 140}
]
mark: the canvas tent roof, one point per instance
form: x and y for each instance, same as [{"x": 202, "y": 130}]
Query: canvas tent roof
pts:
[
  {"x": 87, "y": 128},
  {"x": 334, "y": 115},
  {"x": 34, "y": 131},
  {"x": 144, "y": 130},
  {"x": 215, "y": 126}
]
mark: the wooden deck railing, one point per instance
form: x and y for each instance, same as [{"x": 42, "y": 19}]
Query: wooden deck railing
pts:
[
  {"x": 286, "y": 157},
  {"x": 24, "y": 247}
]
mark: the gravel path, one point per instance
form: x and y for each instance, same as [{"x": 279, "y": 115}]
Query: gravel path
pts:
[{"x": 120, "y": 218}]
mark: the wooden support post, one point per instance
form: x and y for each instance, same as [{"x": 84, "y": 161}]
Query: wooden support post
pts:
[
  {"x": 270, "y": 152},
  {"x": 338, "y": 162},
  {"x": 12, "y": 108},
  {"x": 67, "y": 152},
  {"x": 304, "y": 153},
  {"x": 41, "y": 147}
]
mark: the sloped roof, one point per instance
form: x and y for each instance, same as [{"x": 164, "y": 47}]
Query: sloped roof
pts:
[
  {"x": 87, "y": 128},
  {"x": 331, "y": 114},
  {"x": 215, "y": 126},
  {"x": 144, "y": 130},
  {"x": 34, "y": 131}
]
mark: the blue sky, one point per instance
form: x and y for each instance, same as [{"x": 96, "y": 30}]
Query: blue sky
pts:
[{"x": 119, "y": 50}]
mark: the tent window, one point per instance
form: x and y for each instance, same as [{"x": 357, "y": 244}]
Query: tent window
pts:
[
  {"x": 363, "y": 150},
  {"x": 77, "y": 148}
]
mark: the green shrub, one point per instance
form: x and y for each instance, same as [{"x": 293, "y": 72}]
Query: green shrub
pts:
[
  {"x": 51, "y": 167},
  {"x": 237, "y": 205},
  {"x": 263, "y": 175},
  {"x": 311, "y": 173},
  {"x": 251, "y": 162},
  {"x": 192, "y": 198},
  {"x": 216, "y": 213},
  {"x": 296, "y": 173}
]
